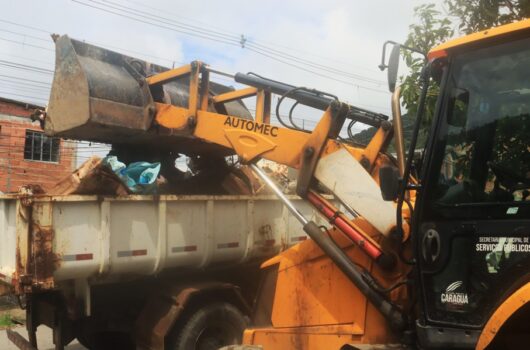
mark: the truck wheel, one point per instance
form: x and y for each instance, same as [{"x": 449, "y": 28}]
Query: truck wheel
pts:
[
  {"x": 106, "y": 341},
  {"x": 210, "y": 328}
]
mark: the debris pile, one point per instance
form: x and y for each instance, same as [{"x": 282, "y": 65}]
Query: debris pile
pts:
[
  {"x": 282, "y": 175},
  {"x": 110, "y": 176}
]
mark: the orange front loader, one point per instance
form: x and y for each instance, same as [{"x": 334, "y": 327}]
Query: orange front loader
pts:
[{"x": 434, "y": 260}]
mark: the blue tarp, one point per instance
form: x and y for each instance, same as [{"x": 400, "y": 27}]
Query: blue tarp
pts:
[{"x": 140, "y": 177}]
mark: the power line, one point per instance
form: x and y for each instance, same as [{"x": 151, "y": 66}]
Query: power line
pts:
[
  {"x": 24, "y": 26},
  {"x": 91, "y": 42},
  {"x": 25, "y": 84},
  {"x": 111, "y": 46},
  {"x": 25, "y": 35},
  {"x": 185, "y": 26},
  {"x": 27, "y": 44},
  {"x": 216, "y": 38},
  {"x": 191, "y": 21},
  {"x": 35, "y": 69},
  {"x": 158, "y": 25},
  {"x": 24, "y": 58},
  {"x": 29, "y": 80},
  {"x": 47, "y": 71},
  {"x": 237, "y": 41},
  {"x": 237, "y": 38},
  {"x": 286, "y": 47}
]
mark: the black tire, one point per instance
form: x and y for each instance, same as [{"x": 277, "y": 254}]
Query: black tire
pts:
[
  {"x": 106, "y": 341},
  {"x": 210, "y": 328}
]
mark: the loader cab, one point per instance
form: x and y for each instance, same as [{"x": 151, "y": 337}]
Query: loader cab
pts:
[{"x": 471, "y": 225}]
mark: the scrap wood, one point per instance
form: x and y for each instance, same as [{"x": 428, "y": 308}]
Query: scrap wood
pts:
[
  {"x": 242, "y": 181},
  {"x": 90, "y": 178},
  {"x": 234, "y": 185}
]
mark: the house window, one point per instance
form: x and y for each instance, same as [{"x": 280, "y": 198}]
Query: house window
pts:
[{"x": 41, "y": 147}]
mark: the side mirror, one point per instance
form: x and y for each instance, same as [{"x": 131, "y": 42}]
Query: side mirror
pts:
[
  {"x": 389, "y": 180},
  {"x": 393, "y": 66},
  {"x": 393, "y": 61}
]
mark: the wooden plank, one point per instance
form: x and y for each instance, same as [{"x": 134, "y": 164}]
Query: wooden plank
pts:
[{"x": 90, "y": 178}]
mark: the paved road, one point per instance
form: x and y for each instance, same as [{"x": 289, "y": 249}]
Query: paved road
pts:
[{"x": 44, "y": 338}]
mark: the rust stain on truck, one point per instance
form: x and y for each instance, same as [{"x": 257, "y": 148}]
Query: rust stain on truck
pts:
[{"x": 44, "y": 260}]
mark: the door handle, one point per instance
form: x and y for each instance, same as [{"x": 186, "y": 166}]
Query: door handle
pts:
[{"x": 431, "y": 246}]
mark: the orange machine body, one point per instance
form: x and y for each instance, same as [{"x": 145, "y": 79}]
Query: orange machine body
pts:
[{"x": 316, "y": 307}]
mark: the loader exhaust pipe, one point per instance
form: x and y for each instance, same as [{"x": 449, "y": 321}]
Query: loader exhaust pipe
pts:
[{"x": 392, "y": 313}]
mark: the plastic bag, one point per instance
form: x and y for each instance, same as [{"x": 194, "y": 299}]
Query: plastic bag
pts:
[{"x": 140, "y": 177}]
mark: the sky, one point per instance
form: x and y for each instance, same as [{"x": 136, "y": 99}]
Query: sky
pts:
[{"x": 332, "y": 45}]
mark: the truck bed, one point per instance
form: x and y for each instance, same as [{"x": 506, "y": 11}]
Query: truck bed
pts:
[{"x": 47, "y": 240}]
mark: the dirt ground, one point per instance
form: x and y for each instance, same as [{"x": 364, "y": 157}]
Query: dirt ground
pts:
[{"x": 44, "y": 339}]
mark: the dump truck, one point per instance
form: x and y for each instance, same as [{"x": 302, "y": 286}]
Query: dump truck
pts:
[
  {"x": 428, "y": 253},
  {"x": 124, "y": 270},
  {"x": 97, "y": 265}
]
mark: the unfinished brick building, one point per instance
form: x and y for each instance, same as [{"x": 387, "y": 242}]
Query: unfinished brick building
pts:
[{"x": 27, "y": 156}]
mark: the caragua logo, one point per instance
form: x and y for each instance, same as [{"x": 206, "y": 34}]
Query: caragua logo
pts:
[{"x": 452, "y": 297}]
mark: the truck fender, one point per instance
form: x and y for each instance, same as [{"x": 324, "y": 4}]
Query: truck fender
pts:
[
  {"x": 508, "y": 307},
  {"x": 163, "y": 309}
]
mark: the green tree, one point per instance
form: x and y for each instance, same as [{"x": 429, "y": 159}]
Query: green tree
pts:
[
  {"x": 468, "y": 16},
  {"x": 477, "y": 15},
  {"x": 433, "y": 28},
  {"x": 430, "y": 30}
]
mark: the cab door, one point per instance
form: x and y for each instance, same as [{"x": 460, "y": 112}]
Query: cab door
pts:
[{"x": 472, "y": 233}]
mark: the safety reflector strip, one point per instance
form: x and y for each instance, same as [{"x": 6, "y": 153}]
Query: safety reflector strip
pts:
[
  {"x": 77, "y": 257},
  {"x": 266, "y": 242},
  {"x": 188, "y": 248},
  {"x": 129, "y": 253},
  {"x": 298, "y": 239},
  {"x": 228, "y": 245}
]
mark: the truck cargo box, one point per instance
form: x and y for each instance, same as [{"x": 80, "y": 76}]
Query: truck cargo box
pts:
[{"x": 46, "y": 240}]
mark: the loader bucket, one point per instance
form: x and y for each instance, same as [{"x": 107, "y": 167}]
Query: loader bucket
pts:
[
  {"x": 94, "y": 95},
  {"x": 101, "y": 95}
]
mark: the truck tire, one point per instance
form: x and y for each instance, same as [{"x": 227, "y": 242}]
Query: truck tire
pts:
[
  {"x": 210, "y": 328},
  {"x": 106, "y": 341}
]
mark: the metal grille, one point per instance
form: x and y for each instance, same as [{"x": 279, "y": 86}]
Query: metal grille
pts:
[{"x": 41, "y": 147}]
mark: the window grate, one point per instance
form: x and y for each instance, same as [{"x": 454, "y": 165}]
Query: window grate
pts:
[{"x": 40, "y": 147}]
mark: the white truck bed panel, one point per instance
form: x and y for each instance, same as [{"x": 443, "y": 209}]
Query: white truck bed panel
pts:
[{"x": 103, "y": 239}]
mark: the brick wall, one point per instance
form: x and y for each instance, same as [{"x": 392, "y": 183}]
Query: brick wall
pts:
[{"x": 16, "y": 171}]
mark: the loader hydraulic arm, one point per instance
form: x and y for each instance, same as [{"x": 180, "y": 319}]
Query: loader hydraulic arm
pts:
[{"x": 319, "y": 156}]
